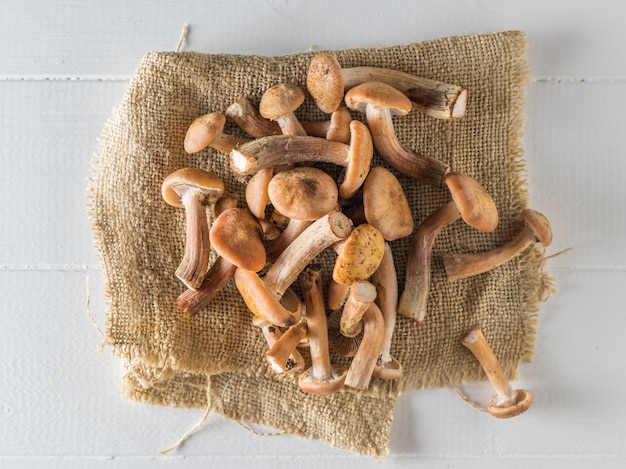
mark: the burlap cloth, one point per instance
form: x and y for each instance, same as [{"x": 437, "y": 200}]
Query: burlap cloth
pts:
[{"x": 215, "y": 358}]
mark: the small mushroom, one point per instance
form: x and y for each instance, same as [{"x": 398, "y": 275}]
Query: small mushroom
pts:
[
  {"x": 270, "y": 151},
  {"x": 322, "y": 378},
  {"x": 192, "y": 301},
  {"x": 193, "y": 189},
  {"x": 474, "y": 205},
  {"x": 272, "y": 333},
  {"x": 279, "y": 354},
  {"x": 363, "y": 364},
  {"x": 507, "y": 402},
  {"x": 361, "y": 295},
  {"x": 207, "y": 130},
  {"x": 380, "y": 102},
  {"x": 337, "y": 128},
  {"x": 278, "y": 104},
  {"x": 537, "y": 227},
  {"x": 386, "y": 281},
  {"x": 246, "y": 116},
  {"x": 342, "y": 345},
  {"x": 432, "y": 97}
]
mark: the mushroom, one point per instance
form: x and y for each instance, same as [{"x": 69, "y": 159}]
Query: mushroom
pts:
[
  {"x": 250, "y": 121},
  {"x": 270, "y": 151},
  {"x": 471, "y": 202},
  {"x": 361, "y": 294},
  {"x": 272, "y": 333},
  {"x": 278, "y": 104},
  {"x": 342, "y": 345},
  {"x": 337, "y": 128},
  {"x": 386, "y": 282},
  {"x": 256, "y": 192},
  {"x": 432, "y": 97},
  {"x": 507, "y": 402},
  {"x": 537, "y": 227},
  {"x": 192, "y": 301},
  {"x": 363, "y": 364},
  {"x": 279, "y": 354},
  {"x": 193, "y": 189},
  {"x": 322, "y": 378},
  {"x": 207, "y": 130},
  {"x": 379, "y": 102}
]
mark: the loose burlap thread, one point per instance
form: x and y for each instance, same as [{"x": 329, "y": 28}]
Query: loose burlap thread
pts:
[{"x": 215, "y": 358}]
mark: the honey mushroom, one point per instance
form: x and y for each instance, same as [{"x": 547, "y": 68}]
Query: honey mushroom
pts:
[
  {"x": 327, "y": 81},
  {"x": 537, "y": 227},
  {"x": 471, "y": 202},
  {"x": 321, "y": 378},
  {"x": 279, "y": 103},
  {"x": 279, "y": 354},
  {"x": 207, "y": 130},
  {"x": 380, "y": 102},
  {"x": 272, "y": 333},
  {"x": 193, "y": 189},
  {"x": 507, "y": 402},
  {"x": 270, "y": 151}
]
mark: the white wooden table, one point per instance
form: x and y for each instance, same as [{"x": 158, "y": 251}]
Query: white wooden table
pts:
[{"x": 65, "y": 64}]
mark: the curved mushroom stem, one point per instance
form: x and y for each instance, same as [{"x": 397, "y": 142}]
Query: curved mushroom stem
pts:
[
  {"x": 195, "y": 262},
  {"x": 278, "y": 355},
  {"x": 422, "y": 168},
  {"x": 314, "y": 239},
  {"x": 272, "y": 333},
  {"x": 507, "y": 402},
  {"x": 250, "y": 121},
  {"x": 363, "y": 364},
  {"x": 192, "y": 301},
  {"x": 362, "y": 295},
  {"x": 414, "y": 298},
  {"x": 322, "y": 377},
  {"x": 432, "y": 97},
  {"x": 386, "y": 281},
  {"x": 256, "y": 192}
]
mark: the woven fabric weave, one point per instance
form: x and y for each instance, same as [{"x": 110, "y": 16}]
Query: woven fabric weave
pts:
[{"x": 215, "y": 357}]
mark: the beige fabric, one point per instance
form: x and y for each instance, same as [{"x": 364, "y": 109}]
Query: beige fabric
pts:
[{"x": 217, "y": 354}]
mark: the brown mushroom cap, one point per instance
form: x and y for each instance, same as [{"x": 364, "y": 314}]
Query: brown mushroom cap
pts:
[
  {"x": 539, "y": 224},
  {"x": 476, "y": 206},
  {"x": 238, "y": 237},
  {"x": 385, "y": 204},
  {"x": 523, "y": 400},
  {"x": 204, "y": 182},
  {"x": 325, "y": 82},
  {"x": 360, "y": 256},
  {"x": 378, "y": 95},
  {"x": 281, "y": 100},
  {"x": 303, "y": 193},
  {"x": 203, "y": 130}
]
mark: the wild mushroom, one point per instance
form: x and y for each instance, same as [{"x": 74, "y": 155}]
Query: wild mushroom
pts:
[
  {"x": 250, "y": 121},
  {"x": 507, "y": 402},
  {"x": 272, "y": 333},
  {"x": 322, "y": 378},
  {"x": 386, "y": 281},
  {"x": 537, "y": 227},
  {"x": 342, "y": 345},
  {"x": 277, "y": 149},
  {"x": 256, "y": 192},
  {"x": 363, "y": 364},
  {"x": 361, "y": 295},
  {"x": 471, "y": 202},
  {"x": 279, "y": 354},
  {"x": 193, "y": 189},
  {"x": 432, "y": 97},
  {"x": 207, "y": 130},
  {"x": 278, "y": 104},
  {"x": 379, "y": 102},
  {"x": 337, "y": 128}
]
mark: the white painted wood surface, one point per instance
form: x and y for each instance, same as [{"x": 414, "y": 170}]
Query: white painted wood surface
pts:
[{"x": 65, "y": 64}]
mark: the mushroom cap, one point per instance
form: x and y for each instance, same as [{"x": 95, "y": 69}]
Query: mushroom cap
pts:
[
  {"x": 385, "y": 204},
  {"x": 237, "y": 236},
  {"x": 325, "y": 83},
  {"x": 476, "y": 206},
  {"x": 303, "y": 193},
  {"x": 203, "y": 131},
  {"x": 359, "y": 159},
  {"x": 378, "y": 95},
  {"x": 281, "y": 100},
  {"x": 539, "y": 224},
  {"x": 322, "y": 387},
  {"x": 360, "y": 256},
  {"x": 342, "y": 345},
  {"x": 523, "y": 400},
  {"x": 209, "y": 185}
]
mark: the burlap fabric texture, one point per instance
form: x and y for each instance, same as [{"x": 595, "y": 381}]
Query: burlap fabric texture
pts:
[{"x": 215, "y": 358}]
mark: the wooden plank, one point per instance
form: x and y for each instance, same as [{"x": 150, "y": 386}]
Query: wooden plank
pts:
[{"x": 75, "y": 38}]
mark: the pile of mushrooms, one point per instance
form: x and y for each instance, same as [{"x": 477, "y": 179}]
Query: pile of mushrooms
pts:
[{"x": 273, "y": 264}]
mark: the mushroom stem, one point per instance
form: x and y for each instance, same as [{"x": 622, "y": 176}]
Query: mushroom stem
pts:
[
  {"x": 432, "y": 97},
  {"x": 195, "y": 262},
  {"x": 362, "y": 294},
  {"x": 414, "y": 298},
  {"x": 293, "y": 229},
  {"x": 507, "y": 402},
  {"x": 192, "y": 301},
  {"x": 250, "y": 121},
  {"x": 363, "y": 364},
  {"x": 272, "y": 333},
  {"x": 336, "y": 294},
  {"x": 422, "y": 168},
  {"x": 321, "y": 234},
  {"x": 278, "y": 355}
]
